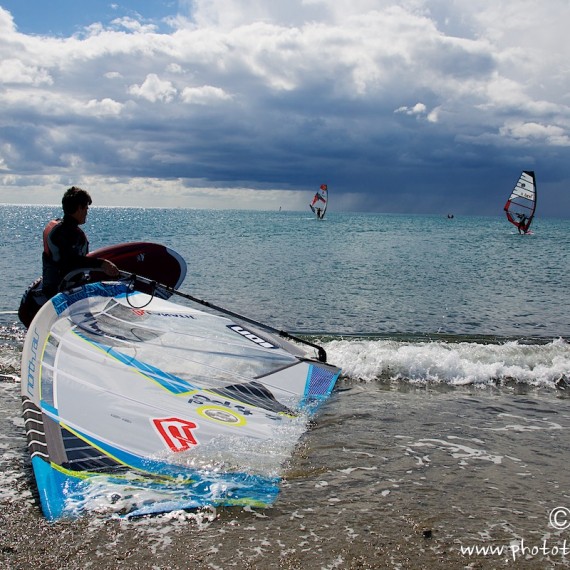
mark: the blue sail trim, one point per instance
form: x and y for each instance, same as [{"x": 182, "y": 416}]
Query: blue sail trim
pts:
[
  {"x": 174, "y": 384},
  {"x": 320, "y": 384},
  {"x": 63, "y": 301},
  {"x": 65, "y": 492}
]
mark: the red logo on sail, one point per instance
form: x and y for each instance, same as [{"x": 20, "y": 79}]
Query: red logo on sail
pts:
[{"x": 176, "y": 433}]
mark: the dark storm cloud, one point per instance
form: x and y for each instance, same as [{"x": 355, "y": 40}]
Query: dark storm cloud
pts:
[{"x": 417, "y": 107}]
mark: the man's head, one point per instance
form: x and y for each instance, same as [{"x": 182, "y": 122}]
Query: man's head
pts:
[{"x": 75, "y": 202}]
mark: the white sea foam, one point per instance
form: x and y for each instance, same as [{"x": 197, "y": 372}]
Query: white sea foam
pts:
[
  {"x": 9, "y": 362},
  {"x": 457, "y": 450},
  {"x": 520, "y": 424},
  {"x": 462, "y": 363}
]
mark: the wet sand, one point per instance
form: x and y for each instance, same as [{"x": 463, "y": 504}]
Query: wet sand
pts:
[{"x": 388, "y": 477}]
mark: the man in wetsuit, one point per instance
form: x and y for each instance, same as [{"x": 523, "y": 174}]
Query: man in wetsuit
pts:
[
  {"x": 66, "y": 245},
  {"x": 522, "y": 223}
]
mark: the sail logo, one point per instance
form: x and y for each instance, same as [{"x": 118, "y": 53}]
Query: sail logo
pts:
[
  {"x": 221, "y": 415},
  {"x": 203, "y": 400},
  {"x": 33, "y": 362},
  {"x": 176, "y": 433},
  {"x": 251, "y": 336},
  {"x": 174, "y": 315}
]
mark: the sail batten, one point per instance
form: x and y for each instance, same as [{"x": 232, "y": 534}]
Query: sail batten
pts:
[{"x": 521, "y": 205}]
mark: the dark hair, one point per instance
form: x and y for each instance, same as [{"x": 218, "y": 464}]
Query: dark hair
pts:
[{"x": 74, "y": 198}]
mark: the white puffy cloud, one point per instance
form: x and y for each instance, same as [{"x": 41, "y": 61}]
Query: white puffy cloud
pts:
[
  {"x": 154, "y": 89},
  {"x": 204, "y": 95},
  {"x": 106, "y": 107},
  {"x": 13, "y": 71},
  {"x": 417, "y": 109},
  {"x": 548, "y": 134}
]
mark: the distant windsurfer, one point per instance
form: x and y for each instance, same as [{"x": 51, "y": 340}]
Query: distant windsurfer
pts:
[
  {"x": 320, "y": 196},
  {"x": 521, "y": 204}
]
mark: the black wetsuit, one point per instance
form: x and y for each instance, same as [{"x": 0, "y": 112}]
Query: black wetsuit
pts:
[{"x": 65, "y": 249}]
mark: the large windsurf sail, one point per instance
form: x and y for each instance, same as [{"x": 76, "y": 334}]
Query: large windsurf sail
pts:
[
  {"x": 521, "y": 205},
  {"x": 137, "y": 405},
  {"x": 320, "y": 202}
]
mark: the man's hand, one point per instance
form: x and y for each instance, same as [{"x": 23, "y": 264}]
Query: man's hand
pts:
[{"x": 110, "y": 268}]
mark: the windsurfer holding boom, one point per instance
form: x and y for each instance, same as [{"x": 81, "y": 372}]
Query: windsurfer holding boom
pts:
[
  {"x": 65, "y": 250},
  {"x": 320, "y": 196},
  {"x": 522, "y": 223}
]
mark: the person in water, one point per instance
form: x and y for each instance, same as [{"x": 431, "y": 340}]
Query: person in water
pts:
[
  {"x": 66, "y": 245},
  {"x": 522, "y": 227}
]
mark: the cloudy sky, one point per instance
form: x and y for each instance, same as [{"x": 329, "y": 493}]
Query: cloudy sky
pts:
[{"x": 416, "y": 106}]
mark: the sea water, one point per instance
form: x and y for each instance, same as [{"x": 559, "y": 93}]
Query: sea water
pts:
[{"x": 445, "y": 443}]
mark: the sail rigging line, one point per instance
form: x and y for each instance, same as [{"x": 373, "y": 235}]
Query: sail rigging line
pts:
[
  {"x": 134, "y": 279},
  {"x": 521, "y": 205}
]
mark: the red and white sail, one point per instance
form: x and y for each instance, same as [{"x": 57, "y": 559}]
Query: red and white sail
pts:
[
  {"x": 521, "y": 205},
  {"x": 320, "y": 202}
]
